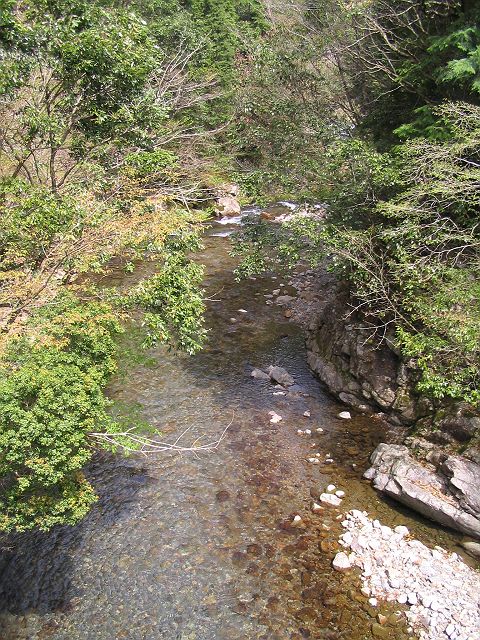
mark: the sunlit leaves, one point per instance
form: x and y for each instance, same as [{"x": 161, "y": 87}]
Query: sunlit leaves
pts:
[
  {"x": 173, "y": 299},
  {"x": 51, "y": 398}
]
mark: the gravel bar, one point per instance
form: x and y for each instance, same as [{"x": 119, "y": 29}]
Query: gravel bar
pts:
[{"x": 441, "y": 592}]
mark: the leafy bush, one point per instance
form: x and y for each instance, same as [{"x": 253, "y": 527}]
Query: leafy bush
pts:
[
  {"x": 149, "y": 164},
  {"x": 172, "y": 298},
  {"x": 32, "y": 217},
  {"x": 51, "y": 398}
]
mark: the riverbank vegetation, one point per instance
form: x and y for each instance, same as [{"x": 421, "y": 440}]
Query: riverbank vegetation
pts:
[{"x": 378, "y": 116}]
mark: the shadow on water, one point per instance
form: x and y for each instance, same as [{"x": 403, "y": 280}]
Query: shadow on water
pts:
[
  {"x": 42, "y": 581},
  {"x": 202, "y": 547}
]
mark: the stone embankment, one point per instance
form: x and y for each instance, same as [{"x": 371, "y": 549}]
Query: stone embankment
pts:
[{"x": 440, "y": 591}]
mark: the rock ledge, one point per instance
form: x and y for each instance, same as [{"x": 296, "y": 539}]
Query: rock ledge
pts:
[{"x": 448, "y": 495}]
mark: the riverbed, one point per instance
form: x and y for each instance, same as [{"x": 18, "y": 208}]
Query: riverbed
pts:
[{"x": 202, "y": 546}]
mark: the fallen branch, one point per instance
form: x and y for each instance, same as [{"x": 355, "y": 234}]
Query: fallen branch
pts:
[{"x": 150, "y": 446}]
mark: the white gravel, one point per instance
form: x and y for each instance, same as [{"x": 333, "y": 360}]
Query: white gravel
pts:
[{"x": 442, "y": 592}]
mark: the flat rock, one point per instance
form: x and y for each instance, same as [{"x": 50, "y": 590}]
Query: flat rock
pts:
[
  {"x": 330, "y": 498},
  {"x": 281, "y": 376},
  {"x": 451, "y": 500}
]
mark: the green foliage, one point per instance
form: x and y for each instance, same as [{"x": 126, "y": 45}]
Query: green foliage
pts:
[
  {"x": 151, "y": 164},
  {"x": 402, "y": 229},
  {"x": 425, "y": 125},
  {"x": 52, "y": 381},
  {"x": 358, "y": 178},
  {"x": 266, "y": 247},
  {"x": 402, "y": 219},
  {"x": 32, "y": 217},
  {"x": 110, "y": 61},
  {"x": 50, "y": 400},
  {"x": 284, "y": 117},
  {"x": 255, "y": 245},
  {"x": 417, "y": 267},
  {"x": 105, "y": 111},
  {"x": 444, "y": 343},
  {"x": 218, "y": 20},
  {"x": 172, "y": 298},
  {"x": 463, "y": 71},
  {"x": 223, "y": 23}
]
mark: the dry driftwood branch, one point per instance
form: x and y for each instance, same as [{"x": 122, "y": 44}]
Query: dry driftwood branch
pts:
[{"x": 150, "y": 446}]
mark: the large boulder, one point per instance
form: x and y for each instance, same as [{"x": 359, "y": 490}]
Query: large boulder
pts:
[
  {"x": 449, "y": 495},
  {"x": 258, "y": 374},
  {"x": 228, "y": 206},
  {"x": 229, "y": 190},
  {"x": 227, "y": 200}
]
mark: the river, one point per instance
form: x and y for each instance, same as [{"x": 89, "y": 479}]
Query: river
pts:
[{"x": 201, "y": 546}]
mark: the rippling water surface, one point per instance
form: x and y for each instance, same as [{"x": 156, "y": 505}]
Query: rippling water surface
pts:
[{"x": 201, "y": 547}]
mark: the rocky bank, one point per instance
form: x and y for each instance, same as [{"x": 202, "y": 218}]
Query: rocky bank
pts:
[
  {"x": 439, "y": 473},
  {"x": 448, "y": 494}
]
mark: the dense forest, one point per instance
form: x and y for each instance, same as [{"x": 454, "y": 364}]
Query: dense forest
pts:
[{"x": 119, "y": 120}]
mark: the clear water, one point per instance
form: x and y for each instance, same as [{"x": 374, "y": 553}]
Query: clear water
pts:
[{"x": 201, "y": 547}]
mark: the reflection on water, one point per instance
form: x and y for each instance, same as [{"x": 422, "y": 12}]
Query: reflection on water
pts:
[{"x": 201, "y": 547}]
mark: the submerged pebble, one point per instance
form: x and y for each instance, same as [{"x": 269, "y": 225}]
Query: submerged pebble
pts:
[
  {"x": 329, "y": 498},
  {"x": 274, "y": 417}
]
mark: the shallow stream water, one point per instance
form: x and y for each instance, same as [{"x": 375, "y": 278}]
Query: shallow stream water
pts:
[{"x": 202, "y": 547}]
